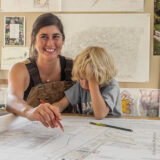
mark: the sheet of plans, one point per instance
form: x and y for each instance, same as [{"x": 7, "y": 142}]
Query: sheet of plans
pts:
[{"x": 23, "y": 139}]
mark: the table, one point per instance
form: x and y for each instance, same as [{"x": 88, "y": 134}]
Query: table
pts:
[{"x": 81, "y": 140}]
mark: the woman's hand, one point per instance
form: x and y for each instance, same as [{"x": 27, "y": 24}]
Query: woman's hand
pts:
[{"x": 45, "y": 113}]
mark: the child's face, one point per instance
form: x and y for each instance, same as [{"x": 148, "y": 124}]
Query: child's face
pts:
[{"x": 84, "y": 84}]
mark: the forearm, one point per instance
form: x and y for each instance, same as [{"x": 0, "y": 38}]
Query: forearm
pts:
[
  {"x": 62, "y": 104},
  {"x": 99, "y": 106},
  {"x": 17, "y": 106}
]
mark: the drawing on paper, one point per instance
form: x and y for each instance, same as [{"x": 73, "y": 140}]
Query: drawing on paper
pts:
[
  {"x": 102, "y": 5},
  {"x": 127, "y": 102},
  {"x": 14, "y": 31},
  {"x": 81, "y": 140},
  {"x": 12, "y": 55},
  {"x": 95, "y": 2},
  {"x": 41, "y": 3},
  {"x": 123, "y": 36},
  {"x": 150, "y": 102},
  {"x": 30, "y": 5}
]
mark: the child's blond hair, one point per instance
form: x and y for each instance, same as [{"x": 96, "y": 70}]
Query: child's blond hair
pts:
[{"x": 94, "y": 62}]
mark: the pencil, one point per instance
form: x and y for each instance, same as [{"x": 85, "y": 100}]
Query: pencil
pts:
[
  {"x": 106, "y": 125},
  {"x": 59, "y": 123}
]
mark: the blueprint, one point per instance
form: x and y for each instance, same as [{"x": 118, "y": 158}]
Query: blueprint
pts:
[{"x": 23, "y": 139}]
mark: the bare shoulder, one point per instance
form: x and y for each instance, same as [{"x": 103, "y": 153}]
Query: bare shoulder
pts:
[
  {"x": 19, "y": 74},
  {"x": 19, "y": 68}
]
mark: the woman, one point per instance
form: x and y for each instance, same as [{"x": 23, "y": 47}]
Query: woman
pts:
[{"x": 45, "y": 73}]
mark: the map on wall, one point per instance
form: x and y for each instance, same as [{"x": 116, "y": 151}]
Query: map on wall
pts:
[
  {"x": 103, "y": 5},
  {"x": 125, "y": 36},
  {"x": 30, "y": 5}
]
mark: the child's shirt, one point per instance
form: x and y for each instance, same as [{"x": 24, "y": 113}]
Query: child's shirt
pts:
[{"x": 81, "y": 99}]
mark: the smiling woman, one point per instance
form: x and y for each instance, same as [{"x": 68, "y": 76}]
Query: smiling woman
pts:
[{"x": 45, "y": 75}]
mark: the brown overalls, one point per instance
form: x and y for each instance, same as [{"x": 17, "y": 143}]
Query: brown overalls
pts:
[{"x": 49, "y": 92}]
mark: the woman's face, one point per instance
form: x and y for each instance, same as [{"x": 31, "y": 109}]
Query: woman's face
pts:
[{"x": 49, "y": 42}]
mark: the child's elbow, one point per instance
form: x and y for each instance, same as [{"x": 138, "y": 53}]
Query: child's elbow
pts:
[{"x": 99, "y": 117}]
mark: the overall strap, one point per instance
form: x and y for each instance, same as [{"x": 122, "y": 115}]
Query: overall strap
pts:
[
  {"x": 68, "y": 69},
  {"x": 33, "y": 71}
]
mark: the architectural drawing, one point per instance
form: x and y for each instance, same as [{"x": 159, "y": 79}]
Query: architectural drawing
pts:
[
  {"x": 12, "y": 55},
  {"x": 126, "y": 37},
  {"x": 80, "y": 140},
  {"x": 31, "y": 5},
  {"x": 103, "y": 5}
]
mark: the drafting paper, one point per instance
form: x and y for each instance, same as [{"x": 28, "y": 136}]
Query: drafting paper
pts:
[
  {"x": 80, "y": 140},
  {"x": 12, "y": 55},
  {"x": 14, "y": 31},
  {"x": 30, "y": 5},
  {"x": 125, "y": 36},
  {"x": 103, "y": 5}
]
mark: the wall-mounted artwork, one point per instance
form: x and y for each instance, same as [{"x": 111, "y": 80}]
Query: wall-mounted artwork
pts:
[
  {"x": 30, "y": 5},
  {"x": 140, "y": 102},
  {"x": 125, "y": 36},
  {"x": 14, "y": 31},
  {"x": 103, "y": 5},
  {"x": 156, "y": 27},
  {"x": 12, "y": 55}
]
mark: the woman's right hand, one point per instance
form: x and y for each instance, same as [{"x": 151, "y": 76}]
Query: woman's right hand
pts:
[{"x": 45, "y": 113}]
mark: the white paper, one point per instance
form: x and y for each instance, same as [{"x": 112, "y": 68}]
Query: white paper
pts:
[
  {"x": 125, "y": 36},
  {"x": 12, "y": 55},
  {"x": 103, "y": 5},
  {"x": 3, "y": 94},
  {"x": 140, "y": 101},
  {"x": 14, "y": 30},
  {"x": 30, "y": 5},
  {"x": 81, "y": 140}
]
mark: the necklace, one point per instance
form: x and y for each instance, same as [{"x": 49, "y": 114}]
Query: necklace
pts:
[{"x": 47, "y": 80}]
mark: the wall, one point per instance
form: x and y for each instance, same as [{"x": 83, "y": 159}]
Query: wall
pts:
[{"x": 154, "y": 60}]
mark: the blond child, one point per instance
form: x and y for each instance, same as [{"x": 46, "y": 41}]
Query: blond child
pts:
[{"x": 96, "y": 91}]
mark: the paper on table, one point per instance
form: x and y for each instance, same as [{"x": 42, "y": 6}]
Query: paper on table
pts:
[{"x": 82, "y": 140}]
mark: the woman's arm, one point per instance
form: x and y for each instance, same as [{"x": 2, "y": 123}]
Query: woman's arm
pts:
[
  {"x": 99, "y": 106},
  {"x": 18, "y": 82}
]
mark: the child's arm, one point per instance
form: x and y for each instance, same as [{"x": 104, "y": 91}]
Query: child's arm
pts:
[
  {"x": 99, "y": 106},
  {"x": 62, "y": 104}
]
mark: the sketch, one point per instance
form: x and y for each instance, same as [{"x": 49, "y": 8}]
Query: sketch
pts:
[
  {"x": 150, "y": 102},
  {"x": 127, "y": 102},
  {"x": 103, "y": 5},
  {"x": 126, "y": 37},
  {"x": 41, "y": 3},
  {"x": 14, "y": 31},
  {"x": 80, "y": 140},
  {"x": 31, "y": 5},
  {"x": 140, "y": 101},
  {"x": 12, "y": 55}
]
